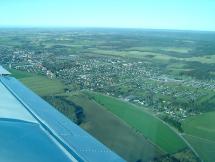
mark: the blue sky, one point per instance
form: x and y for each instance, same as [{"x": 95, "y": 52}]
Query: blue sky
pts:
[{"x": 156, "y": 14}]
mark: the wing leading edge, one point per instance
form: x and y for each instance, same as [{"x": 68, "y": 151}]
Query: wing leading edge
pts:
[{"x": 62, "y": 133}]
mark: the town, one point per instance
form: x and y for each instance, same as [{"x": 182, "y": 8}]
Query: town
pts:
[{"x": 131, "y": 80}]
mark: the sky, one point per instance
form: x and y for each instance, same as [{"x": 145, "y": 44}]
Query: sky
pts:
[{"x": 153, "y": 14}]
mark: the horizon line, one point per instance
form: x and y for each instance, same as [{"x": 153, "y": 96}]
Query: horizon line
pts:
[{"x": 98, "y": 27}]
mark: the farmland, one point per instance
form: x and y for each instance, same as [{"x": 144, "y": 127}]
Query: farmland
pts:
[
  {"x": 139, "y": 119},
  {"x": 200, "y": 132},
  {"x": 39, "y": 84},
  {"x": 152, "y": 86},
  {"x": 114, "y": 132}
]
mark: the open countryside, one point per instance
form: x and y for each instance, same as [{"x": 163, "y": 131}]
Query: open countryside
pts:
[
  {"x": 200, "y": 132},
  {"x": 152, "y": 93},
  {"x": 140, "y": 119}
]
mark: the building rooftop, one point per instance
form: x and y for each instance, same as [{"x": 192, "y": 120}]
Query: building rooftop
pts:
[{"x": 32, "y": 130}]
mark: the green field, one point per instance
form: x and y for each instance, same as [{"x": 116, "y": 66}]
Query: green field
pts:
[
  {"x": 38, "y": 83},
  {"x": 133, "y": 54},
  {"x": 113, "y": 132},
  {"x": 20, "y": 74},
  {"x": 136, "y": 52},
  {"x": 151, "y": 127},
  {"x": 200, "y": 132}
]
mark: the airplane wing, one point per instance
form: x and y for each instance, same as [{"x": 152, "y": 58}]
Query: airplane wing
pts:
[{"x": 31, "y": 130}]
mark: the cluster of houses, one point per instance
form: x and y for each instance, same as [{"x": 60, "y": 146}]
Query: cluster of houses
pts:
[{"x": 132, "y": 80}]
